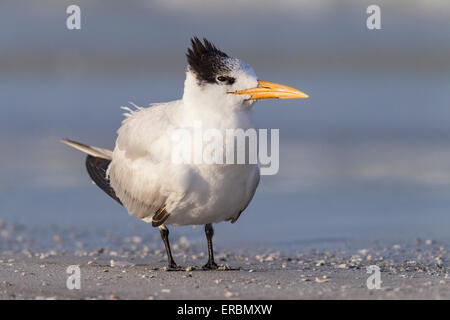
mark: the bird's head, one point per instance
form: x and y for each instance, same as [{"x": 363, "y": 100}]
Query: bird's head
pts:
[{"x": 217, "y": 81}]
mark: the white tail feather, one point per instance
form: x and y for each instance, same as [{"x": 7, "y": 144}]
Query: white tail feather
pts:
[{"x": 90, "y": 150}]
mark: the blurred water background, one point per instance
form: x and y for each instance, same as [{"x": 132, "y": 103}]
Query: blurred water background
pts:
[{"x": 366, "y": 158}]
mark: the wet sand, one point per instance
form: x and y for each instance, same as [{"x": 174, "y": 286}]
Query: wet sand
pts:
[{"x": 419, "y": 271}]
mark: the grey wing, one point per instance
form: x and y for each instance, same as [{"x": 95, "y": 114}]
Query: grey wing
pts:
[{"x": 140, "y": 165}]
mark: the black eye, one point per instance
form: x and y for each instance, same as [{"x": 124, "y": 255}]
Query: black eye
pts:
[{"x": 229, "y": 80}]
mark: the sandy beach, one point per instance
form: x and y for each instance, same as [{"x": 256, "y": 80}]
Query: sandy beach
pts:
[
  {"x": 364, "y": 163},
  {"x": 418, "y": 271}
]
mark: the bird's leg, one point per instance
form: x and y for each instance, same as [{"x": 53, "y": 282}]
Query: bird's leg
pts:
[
  {"x": 165, "y": 238},
  {"x": 209, "y": 231}
]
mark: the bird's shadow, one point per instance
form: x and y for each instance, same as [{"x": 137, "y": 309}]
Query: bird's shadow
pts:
[{"x": 191, "y": 268}]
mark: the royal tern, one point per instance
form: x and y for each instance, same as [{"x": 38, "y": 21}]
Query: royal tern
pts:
[{"x": 140, "y": 174}]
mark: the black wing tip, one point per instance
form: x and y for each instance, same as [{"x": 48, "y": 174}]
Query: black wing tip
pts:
[
  {"x": 160, "y": 217},
  {"x": 96, "y": 168}
]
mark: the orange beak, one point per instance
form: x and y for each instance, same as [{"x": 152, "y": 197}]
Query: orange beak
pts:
[{"x": 267, "y": 90}]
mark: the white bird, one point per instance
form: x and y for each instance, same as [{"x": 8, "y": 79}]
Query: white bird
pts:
[{"x": 219, "y": 91}]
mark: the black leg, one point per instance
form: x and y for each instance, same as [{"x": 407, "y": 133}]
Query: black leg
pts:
[
  {"x": 209, "y": 231},
  {"x": 165, "y": 238}
]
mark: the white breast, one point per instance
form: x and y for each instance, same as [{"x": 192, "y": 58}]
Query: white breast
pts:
[
  {"x": 145, "y": 179},
  {"x": 221, "y": 193}
]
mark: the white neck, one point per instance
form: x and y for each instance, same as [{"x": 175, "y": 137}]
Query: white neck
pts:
[{"x": 207, "y": 105}]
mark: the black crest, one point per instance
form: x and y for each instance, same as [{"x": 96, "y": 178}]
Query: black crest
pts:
[{"x": 206, "y": 61}]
